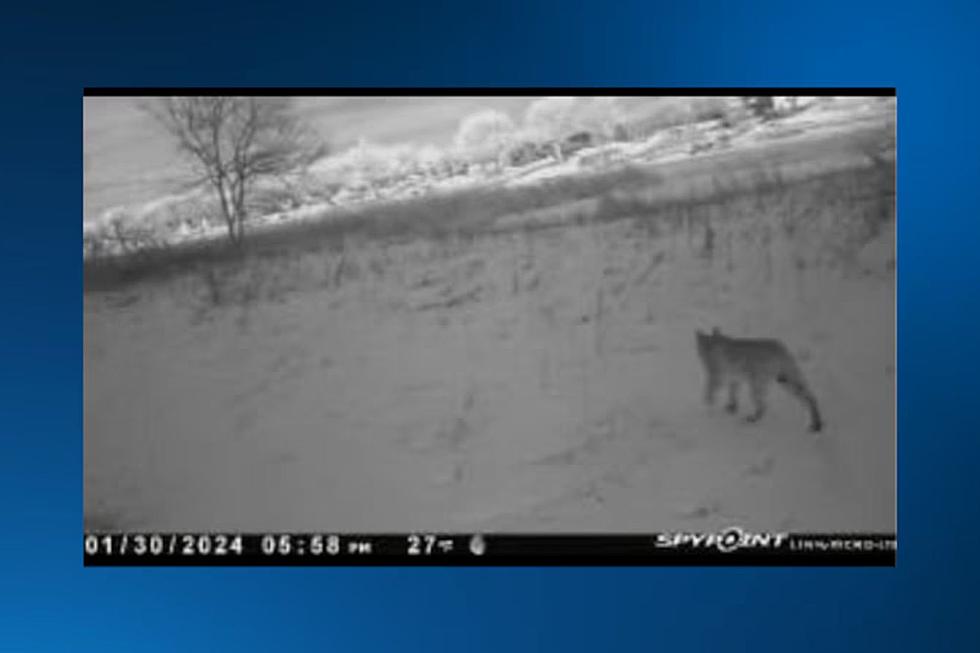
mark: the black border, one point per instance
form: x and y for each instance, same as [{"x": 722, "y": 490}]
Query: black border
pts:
[
  {"x": 502, "y": 550},
  {"x": 558, "y": 550}
]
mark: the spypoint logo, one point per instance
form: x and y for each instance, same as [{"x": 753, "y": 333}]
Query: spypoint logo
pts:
[
  {"x": 477, "y": 545},
  {"x": 726, "y": 541}
]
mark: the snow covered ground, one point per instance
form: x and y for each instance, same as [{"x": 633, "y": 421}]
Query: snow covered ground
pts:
[{"x": 526, "y": 381}]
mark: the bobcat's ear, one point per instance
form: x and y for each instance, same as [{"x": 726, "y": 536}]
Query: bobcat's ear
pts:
[
  {"x": 698, "y": 333},
  {"x": 715, "y": 332}
]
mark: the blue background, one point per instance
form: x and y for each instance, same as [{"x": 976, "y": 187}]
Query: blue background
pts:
[{"x": 48, "y": 601}]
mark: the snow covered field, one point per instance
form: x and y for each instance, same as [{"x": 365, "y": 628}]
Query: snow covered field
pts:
[{"x": 523, "y": 380}]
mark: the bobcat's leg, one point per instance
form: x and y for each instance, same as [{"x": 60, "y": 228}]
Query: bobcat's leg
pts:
[
  {"x": 732, "y": 405},
  {"x": 758, "y": 388},
  {"x": 798, "y": 388},
  {"x": 711, "y": 386}
]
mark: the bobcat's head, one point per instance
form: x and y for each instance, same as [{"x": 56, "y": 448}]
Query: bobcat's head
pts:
[{"x": 706, "y": 341}]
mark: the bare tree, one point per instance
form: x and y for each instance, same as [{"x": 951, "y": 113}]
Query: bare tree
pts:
[{"x": 233, "y": 141}]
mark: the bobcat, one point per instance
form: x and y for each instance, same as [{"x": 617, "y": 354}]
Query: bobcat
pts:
[{"x": 757, "y": 363}]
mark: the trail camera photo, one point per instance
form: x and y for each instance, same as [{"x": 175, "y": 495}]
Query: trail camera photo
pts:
[{"x": 507, "y": 313}]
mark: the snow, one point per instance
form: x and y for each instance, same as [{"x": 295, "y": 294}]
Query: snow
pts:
[{"x": 479, "y": 387}]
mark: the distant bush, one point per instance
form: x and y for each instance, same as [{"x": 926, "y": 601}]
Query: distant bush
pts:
[
  {"x": 485, "y": 136},
  {"x": 664, "y": 116},
  {"x": 710, "y": 108},
  {"x": 565, "y": 124},
  {"x": 763, "y": 107}
]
